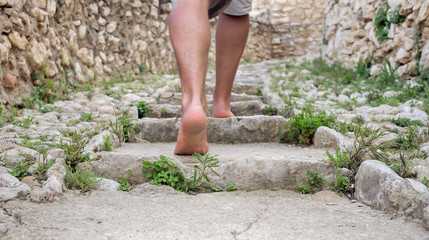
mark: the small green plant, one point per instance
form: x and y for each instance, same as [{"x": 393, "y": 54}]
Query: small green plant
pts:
[
  {"x": 403, "y": 168},
  {"x": 362, "y": 68},
  {"x": 42, "y": 168},
  {"x": 425, "y": 181},
  {"x": 270, "y": 111},
  {"x": 25, "y": 123},
  {"x": 143, "y": 109},
  {"x": 315, "y": 182},
  {"x": 395, "y": 17},
  {"x": 86, "y": 117},
  {"x": 81, "y": 179},
  {"x": 21, "y": 169},
  {"x": 75, "y": 149},
  {"x": 166, "y": 172},
  {"x": 301, "y": 127},
  {"x": 108, "y": 143},
  {"x": 122, "y": 127},
  {"x": 341, "y": 183},
  {"x": 387, "y": 76},
  {"x": 381, "y": 23},
  {"x": 364, "y": 144},
  {"x": 125, "y": 183},
  {"x": 406, "y": 122},
  {"x": 231, "y": 187},
  {"x": 163, "y": 112},
  {"x": 413, "y": 137},
  {"x": 259, "y": 91}
]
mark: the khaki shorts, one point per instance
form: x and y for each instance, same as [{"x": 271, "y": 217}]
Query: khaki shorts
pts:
[{"x": 230, "y": 7}]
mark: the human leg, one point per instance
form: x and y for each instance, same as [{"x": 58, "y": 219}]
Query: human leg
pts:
[
  {"x": 190, "y": 37},
  {"x": 231, "y": 38}
]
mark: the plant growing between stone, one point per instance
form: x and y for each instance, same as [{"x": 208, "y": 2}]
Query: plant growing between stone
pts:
[
  {"x": 315, "y": 182},
  {"x": 167, "y": 173},
  {"x": 143, "y": 109},
  {"x": 382, "y": 22},
  {"x": 270, "y": 111},
  {"x": 43, "y": 167},
  {"x": 341, "y": 183},
  {"x": 108, "y": 143},
  {"x": 125, "y": 183},
  {"x": 75, "y": 149},
  {"x": 403, "y": 168},
  {"x": 122, "y": 127},
  {"x": 83, "y": 180},
  {"x": 21, "y": 169},
  {"x": 301, "y": 127}
]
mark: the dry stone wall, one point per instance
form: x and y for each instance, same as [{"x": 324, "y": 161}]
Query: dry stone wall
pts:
[
  {"x": 351, "y": 32},
  {"x": 82, "y": 39},
  {"x": 297, "y": 27}
]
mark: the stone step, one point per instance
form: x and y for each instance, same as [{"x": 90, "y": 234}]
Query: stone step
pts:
[
  {"x": 243, "y": 108},
  {"x": 176, "y": 98},
  {"x": 250, "y": 166},
  {"x": 251, "y": 129}
]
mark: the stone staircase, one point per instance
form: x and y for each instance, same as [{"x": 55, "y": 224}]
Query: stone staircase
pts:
[{"x": 247, "y": 146}]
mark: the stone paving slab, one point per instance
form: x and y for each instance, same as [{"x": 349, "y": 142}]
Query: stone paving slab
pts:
[
  {"x": 249, "y": 166},
  {"x": 246, "y": 129},
  {"x": 159, "y": 213}
]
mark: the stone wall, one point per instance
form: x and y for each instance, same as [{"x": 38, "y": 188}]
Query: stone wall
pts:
[
  {"x": 83, "y": 39},
  {"x": 297, "y": 27},
  {"x": 351, "y": 33}
]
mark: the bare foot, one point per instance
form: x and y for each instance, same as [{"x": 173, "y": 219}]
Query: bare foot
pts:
[
  {"x": 221, "y": 112},
  {"x": 192, "y": 134}
]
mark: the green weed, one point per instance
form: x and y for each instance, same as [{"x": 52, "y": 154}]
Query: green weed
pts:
[
  {"x": 166, "y": 172},
  {"x": 21, "y": 169},
  {"x": 108, "y": 143},
  {"x": 125, "y": 183},
  {"x": 270, "y": 111},
  {"x": 75, "y": 149},
  {"x": 301, "y": 127},
  {"x": 122, "y": 127},
  {"x": 86, "y": 117},
  {"x": 341, "y": 183},
  {"x": 403, "y": 167},
  {"x": 143, "y": 109},
  {"x": 406, "y": 122},
  {"x": 42, "y": 168},
  {"x": 81, "y": 179},
  {"x": 315, "y": 182}
]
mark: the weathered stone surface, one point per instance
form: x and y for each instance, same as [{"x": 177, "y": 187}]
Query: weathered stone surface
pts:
[
  {"x": 41, "y": 195},
  {"x": 18, "y": 41},
  {"x": 329, "y": 138},
  {"x": 86, "y": 56},
  {"x": 381, "y": 188},
  {"x": 244, "y": 129},
  {"x": 97, "y": 142},
  {"x": 248, "y": 108},
  {"x": 108, "y": 185},
  {"x": 11, "y": 188},
  {"x": 10, "y": 81},
  {"x": 158, "y": 130},
  {"x": 113, "y": 166},
  {"x": 54, "y": 184},
  {"x": 16, "y": 155}
]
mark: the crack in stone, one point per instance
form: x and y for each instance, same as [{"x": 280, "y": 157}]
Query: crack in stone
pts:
[{"x": 235, "y": 234}]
